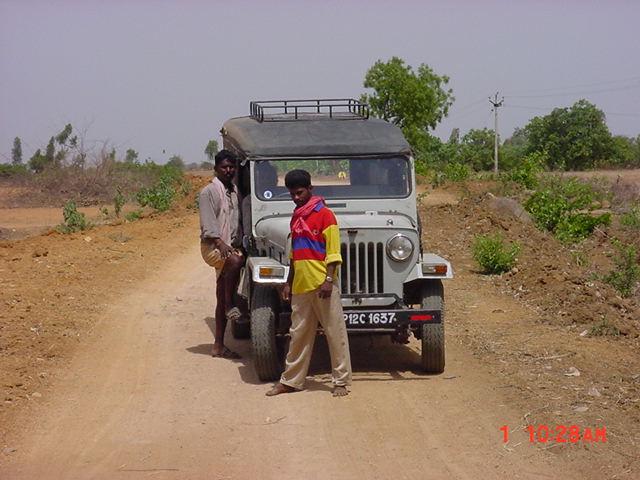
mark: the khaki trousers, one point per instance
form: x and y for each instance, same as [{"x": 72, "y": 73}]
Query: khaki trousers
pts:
[
  {"x": 307, "y": 309},
  {"x": 211, "y": 256}
]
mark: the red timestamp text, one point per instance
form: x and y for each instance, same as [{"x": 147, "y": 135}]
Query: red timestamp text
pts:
[{"x": 560, "y": 434}]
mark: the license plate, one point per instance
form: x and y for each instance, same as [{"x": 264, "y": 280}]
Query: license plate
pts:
[
  {"x": 369, "y": 319},
  {"x": 390, "y": 319}
]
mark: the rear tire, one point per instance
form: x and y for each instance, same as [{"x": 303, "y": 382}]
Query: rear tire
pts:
[
  {"x": 432, "y": 334},
  {"x": 266, "y": 359}
]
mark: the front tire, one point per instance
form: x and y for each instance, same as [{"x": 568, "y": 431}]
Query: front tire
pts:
[
  {"x": 432, "y": 334},
  {"x": 264, "y": 308}
]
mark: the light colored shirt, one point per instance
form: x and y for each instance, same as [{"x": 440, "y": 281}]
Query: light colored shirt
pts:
[{"x": 220, "y": 213}]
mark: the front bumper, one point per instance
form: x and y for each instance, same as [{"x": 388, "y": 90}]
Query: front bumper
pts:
[{"x": 377, "y": 321}]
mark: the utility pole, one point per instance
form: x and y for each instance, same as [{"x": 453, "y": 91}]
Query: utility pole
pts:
[{"x": 496, "y": 104}]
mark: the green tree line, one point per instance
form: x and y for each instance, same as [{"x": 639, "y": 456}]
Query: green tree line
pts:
[{"x": 568, "y": 138}]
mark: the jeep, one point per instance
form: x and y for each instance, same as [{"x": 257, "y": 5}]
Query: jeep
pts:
[{"x": 364, "y": 169}]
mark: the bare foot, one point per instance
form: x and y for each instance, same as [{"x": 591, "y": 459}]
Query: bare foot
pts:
[
  {"x": 340, "y": 391},
  {"x": 279, "y": 388}
]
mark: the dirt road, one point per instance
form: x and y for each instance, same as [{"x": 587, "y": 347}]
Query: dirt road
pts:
[
  {"x": 142, "y": 399},
  {"x": 104, "y": 341}
]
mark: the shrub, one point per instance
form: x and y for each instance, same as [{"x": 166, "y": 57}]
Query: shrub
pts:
[
  {"x": 493, "y": 255},
  {"x": 631, "y": 218},
  {"x": 450, "y": 172},
  {"x": 602, "y": 328},
  {"x": 118, "y": 201},
  {"x": 573, "y": 228},
  {"x": 528, "y": 171},
  {"x": 421, "y": 167},
  {"x": 133, "y": 216},
  {"x": 456, "y": 172},
  {"x": 161, "y": 195},
  {"x": 547, "y": 208},
  {"x": 10, "y": 170},
  {"x": 626, "y": 272},
  {"x": 559, "y": 206},
  {"x": 74, "y": 221},
  {"x": 185, "y": 188}
]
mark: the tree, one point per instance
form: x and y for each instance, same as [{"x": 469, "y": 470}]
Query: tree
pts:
[
  {"x": 131, "y": 156},
  {"x": 16, "y": 151},
  {"x": 206, "y": 166},
  {"x": 50, "y": 152},
  {"x": 176, "y": 161},
  {"x": 477, "y": 149},
  {"x": 211, "y": 149},
  {"x": 415, "y": 101},
  {"x": 37, "y": 162},
  {"x": 574, "y": 138},
  {"x": 63, "y": 136},
  {"x": 454, "y": 138},
  {"x": 513, "y": 150}
]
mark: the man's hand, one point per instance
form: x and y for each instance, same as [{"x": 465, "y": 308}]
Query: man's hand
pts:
[
  {"x": 225, "y": 250},
  {"x": 325, "y": 290},
  {"x": 285, "y": 293}
]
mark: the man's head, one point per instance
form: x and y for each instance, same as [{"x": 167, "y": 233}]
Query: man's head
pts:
[
  {"x": 299, "y": 184},
  {"x": 225, "y": 166}
]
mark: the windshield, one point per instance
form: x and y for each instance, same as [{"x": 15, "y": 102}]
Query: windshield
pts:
[{"x": 340, "y": 179}]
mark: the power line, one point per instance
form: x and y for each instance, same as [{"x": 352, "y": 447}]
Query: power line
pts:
[
  {"x": 584, "y": 85},
  {"x": 461, "y": 109},
  {"x": 546, "y": 109},
  {"x": 584, "y": 92},
  {"x": 463, "y": 114}
]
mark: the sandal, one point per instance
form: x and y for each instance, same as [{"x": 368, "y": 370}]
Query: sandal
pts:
[
  {"x": 226, "y": 353},
  {"x": 233, "y": 314}
]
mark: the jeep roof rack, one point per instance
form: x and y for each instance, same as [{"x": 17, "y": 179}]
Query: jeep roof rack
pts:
[{"x": 311, "y": 109}]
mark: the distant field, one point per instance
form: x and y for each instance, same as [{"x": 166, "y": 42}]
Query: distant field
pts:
[
  {"x": 627, "y": 176},
  {"x": 624, "y": 184}
]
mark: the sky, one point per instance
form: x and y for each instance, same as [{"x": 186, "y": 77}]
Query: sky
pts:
[{"x": 162, "y": 76}]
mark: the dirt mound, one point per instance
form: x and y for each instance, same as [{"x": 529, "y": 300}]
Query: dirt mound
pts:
[{"x": 560, "y": 282}]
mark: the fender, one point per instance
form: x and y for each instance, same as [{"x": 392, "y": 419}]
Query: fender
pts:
[
  {"x": 425, "y": 268},
  {"x": 266, "y": 270}
]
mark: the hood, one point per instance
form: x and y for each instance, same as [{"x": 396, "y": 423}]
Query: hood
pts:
[
  {"x": 374, "y": 220},
  {"x": 274, "y": 231}
]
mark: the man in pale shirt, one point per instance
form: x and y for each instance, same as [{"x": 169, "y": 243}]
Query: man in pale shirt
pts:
[{"x": 220, "y": 241}]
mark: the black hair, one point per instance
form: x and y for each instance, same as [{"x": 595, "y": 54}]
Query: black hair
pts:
[
  {"x": 266, "y": 174},
  {"x": 297, "y": 179},
  {"x": 224, "y": 155}
]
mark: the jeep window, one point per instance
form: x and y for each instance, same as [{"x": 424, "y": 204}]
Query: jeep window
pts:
[{"x": 339, "y": 179}]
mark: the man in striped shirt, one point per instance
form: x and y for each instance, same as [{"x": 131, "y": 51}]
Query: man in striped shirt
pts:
[{"x": 312, "y": 290}]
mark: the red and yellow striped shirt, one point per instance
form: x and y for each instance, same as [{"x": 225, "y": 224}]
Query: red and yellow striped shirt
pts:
[{"x": 311, "y": 253}]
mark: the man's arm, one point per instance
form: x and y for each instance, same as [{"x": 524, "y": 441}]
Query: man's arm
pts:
[
  {"x": 333, "y": 258},
  {"x": 327, "y": 287},
  {"x": 286, "y": 289}
]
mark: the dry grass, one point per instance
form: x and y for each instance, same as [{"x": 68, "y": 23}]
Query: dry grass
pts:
[
  {"x": 624, "y": 185},
  {"x": 93, "y": 185}
]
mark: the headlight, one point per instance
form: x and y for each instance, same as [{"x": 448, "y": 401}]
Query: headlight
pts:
[{"x": 399, "y": 248}]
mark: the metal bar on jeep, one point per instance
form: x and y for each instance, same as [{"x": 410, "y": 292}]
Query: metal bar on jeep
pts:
[{"x": 279, "y": 110}]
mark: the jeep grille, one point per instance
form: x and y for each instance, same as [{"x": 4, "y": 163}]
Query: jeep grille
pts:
[{"x": 362, "y": 268}]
